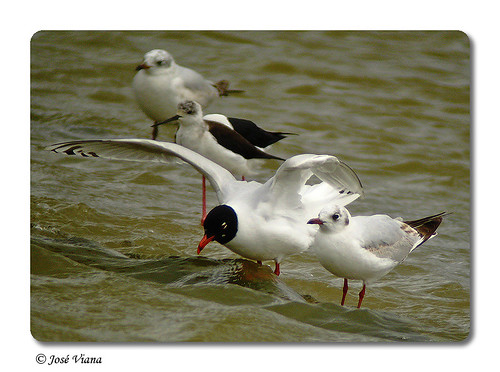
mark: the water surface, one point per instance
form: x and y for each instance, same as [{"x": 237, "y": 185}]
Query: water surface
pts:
[{"x": 113, "y": 244}]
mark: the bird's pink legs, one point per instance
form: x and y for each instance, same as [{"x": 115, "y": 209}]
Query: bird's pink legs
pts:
[
  {"x": 344, "y": 292},
  {"x": 277, "y": 269},
  {"x": 203, "y": 200},
  {"x": 361, "y": 295}
]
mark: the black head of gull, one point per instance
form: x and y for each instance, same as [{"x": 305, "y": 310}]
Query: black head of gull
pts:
[{"x": 221, "y": 225}]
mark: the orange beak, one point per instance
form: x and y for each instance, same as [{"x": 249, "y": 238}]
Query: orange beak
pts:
[{"x": 204, "y": 241}]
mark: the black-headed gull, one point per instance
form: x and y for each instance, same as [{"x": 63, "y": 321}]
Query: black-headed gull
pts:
[
  {"x": 366, "y": 247},
  {"x": 160, "y": 85},
  {"x": 257, "y": 221},
  {"x": 215, "y": 141}
]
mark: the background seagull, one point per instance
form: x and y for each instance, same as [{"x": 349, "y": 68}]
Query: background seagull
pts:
[
  {"x": 367, "y": 247},
  {"x": 217, "y": 142},
  {"x": 160, "y": 85},
  {"x": 257, "y": 221}
]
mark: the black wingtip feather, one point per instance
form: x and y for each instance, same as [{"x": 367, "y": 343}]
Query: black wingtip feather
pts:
[
  {"x": 427, "y": 226},
  {"x": 235, "y": 142},
  {"x": 254, "y": 134}
]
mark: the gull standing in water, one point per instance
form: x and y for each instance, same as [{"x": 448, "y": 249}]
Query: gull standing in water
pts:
[
  {"x": 367, "y": 247},
  {"x": 257, "y": 221},
  {"x": 160, "y": 85}
]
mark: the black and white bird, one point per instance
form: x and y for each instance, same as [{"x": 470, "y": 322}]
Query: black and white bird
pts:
[
  {"x": 366, "y": 247},
  {"x": 215, "y": 140},
  {"x": 160, "y": 85},
  {"x": 218, "y": 142},
  {"x": 257, "y": 221},
  {"x": 252, "y": 132}
]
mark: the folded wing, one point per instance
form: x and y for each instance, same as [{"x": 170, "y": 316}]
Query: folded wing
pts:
[{"x": 383, "y": 236}]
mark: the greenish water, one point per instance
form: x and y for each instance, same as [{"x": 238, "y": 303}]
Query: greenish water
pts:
[{"x": 113, "y": 244}]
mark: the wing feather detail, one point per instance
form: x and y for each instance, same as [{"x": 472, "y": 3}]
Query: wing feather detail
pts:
[
  {"x": 288, "y": 185},
  {"x": 150, "y": 151}
]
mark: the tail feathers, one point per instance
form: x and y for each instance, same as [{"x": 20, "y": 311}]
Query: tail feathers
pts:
[
  {"x": 223, "y": 88},
  {"x": 426, "y": 226}
]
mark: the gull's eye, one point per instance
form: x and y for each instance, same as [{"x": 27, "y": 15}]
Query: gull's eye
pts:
[{"x": 335, "y": 216}]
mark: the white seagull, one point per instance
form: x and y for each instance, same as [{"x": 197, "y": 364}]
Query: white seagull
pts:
[
  {"x": 218, "y": 142},
  {"x": 257, "y": 221},
  {"x": 366, "y": 247},
  {"x": 160, "y": 85}
]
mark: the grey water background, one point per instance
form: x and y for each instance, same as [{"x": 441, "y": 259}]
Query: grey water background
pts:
[{"x": 113, "y": 244}]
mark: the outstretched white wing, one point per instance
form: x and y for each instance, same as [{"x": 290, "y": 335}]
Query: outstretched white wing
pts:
[
  {"x": 151, "y": 151},
  {"x": 289, "y": 189}
]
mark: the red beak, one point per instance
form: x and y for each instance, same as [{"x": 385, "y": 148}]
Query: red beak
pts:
[
  {"x": 204, "y": 241},
  {"x": 315, "y": 221}
]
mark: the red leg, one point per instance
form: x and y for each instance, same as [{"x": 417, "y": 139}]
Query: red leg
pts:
[
  {"x": 344, "y": 292},
  {"x": 243, "y": 178},
  {"x": 203, "y": 200},
  {"x": 361, "y": 295},
  {"x": 277, "y": 269}
]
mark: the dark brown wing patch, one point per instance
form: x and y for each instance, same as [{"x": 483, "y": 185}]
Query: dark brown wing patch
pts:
[{"x": 427, "y": 226}]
